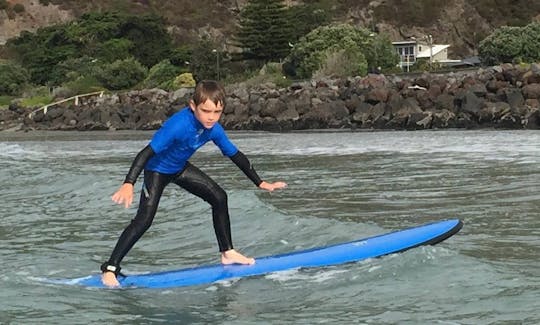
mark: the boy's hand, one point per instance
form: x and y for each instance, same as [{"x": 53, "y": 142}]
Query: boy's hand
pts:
[
  {"x": 272, "y": 186},
  {"x": 124, "y": 195}
]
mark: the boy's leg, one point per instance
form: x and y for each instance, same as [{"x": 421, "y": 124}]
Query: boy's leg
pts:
[
  {"x": 198, "y": 183},
  {"x": 153, "y": 186}
]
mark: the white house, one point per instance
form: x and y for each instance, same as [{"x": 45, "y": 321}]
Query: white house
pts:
[{"x": 411, "y": 50}]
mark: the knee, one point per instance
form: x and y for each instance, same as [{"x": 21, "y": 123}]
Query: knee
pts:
[
  {"x": 143, "y": 219},
  {"x": 220, "y": 198},
  {"x": 141, "y": 224}
]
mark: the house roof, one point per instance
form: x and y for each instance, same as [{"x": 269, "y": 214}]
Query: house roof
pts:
[
  {"x": 404, "y": 43},
  {"x": 436, "y": 48}
]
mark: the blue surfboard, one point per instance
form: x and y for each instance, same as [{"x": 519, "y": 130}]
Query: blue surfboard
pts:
[{"x": 394, "y": 242}]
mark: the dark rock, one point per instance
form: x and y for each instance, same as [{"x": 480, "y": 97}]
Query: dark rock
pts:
[{"x": 531, "y": 91}]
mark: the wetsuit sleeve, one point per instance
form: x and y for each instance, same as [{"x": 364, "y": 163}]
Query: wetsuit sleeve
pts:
[
  {"x": 222, "y": 141},
  {"x": 138, "y": 164},
  {"x": 243, "y": 163}
]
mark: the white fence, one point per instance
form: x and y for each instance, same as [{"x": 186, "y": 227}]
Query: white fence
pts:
[{"x": 76, "y": 98}]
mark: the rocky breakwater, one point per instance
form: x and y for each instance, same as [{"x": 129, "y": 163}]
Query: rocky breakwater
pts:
[{"x": 506, "y": 96}]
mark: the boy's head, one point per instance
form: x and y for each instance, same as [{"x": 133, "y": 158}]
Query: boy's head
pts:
[
  {"x": 209, "y": 90},
  {"x": 208, "y": 102}
]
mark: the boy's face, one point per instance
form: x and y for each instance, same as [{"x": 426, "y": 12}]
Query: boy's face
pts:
[{"x": 207, "y": 113}]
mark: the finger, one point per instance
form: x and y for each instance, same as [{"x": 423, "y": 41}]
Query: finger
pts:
[{"x": 130, "y": 200}]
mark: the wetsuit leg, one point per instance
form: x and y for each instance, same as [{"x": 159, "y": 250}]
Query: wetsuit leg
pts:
[
  {"x": 198, "y": 183},
  {"x": 153, "y": 186}
]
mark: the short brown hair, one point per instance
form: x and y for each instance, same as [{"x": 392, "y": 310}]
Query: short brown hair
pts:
[{"x": 209, "y": 90}]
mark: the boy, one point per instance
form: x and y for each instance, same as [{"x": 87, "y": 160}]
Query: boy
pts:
[{"x": 165, "y": 160}]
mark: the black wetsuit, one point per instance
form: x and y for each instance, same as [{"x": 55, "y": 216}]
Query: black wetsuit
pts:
[{"x": 169, "y": 149}]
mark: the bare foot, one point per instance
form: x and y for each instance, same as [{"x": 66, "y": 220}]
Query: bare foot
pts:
[
  {"x": 109, "y": 280},
  {"x": 233, "y": 257}
]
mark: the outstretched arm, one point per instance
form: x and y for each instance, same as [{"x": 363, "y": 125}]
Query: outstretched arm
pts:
[
  {"x": 243, "y": 163},
  {"x": 124, "y": 195}
]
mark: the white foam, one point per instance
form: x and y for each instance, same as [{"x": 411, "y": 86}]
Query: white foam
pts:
[{"x": 297, "y": 274}]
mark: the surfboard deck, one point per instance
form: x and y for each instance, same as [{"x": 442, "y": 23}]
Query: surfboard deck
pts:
[{"x": 389, "y": 243}]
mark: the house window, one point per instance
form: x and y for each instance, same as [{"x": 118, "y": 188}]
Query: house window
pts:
[{"x": 408, "y": 50}]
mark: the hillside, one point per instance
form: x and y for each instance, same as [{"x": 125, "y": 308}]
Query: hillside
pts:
[{"x": 461, "y": 23}]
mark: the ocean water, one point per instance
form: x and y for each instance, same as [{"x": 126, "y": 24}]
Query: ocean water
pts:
[{"x": 58, "y": 221}]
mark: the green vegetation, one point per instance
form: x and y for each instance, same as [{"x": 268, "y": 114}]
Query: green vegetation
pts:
[
  {"x": 5, "y": 101},
  {"x": 355, "y": 49},
  {"x": 342, "y": 63},
  {"x": 161, "y": 75},
  {"x": 308, "y": 16},
  {"x": 265, "y": 30},
  {"x": 38, "y": 96},
  {"x": 270, "y": 73},
  {"x": 121, "y": 74},
  {"x": 205, "y": 58},
  {"x": 104, "y": 37},
  {"x": 511, "y": 44},
  {"x": 13, "y": 79},
  {"x": 184, "y": 80},
  {"x": 36, "y": 101},
  {"x": 113, "y": 50}
]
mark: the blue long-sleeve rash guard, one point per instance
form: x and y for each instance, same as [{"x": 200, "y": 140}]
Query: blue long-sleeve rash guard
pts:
[{"x": 178, "y": 139}]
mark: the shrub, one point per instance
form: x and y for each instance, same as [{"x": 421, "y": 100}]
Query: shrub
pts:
[
  {"x": 81, "y": 85},
  {"x": 531, "y": 42},
  {"x": 73, "y": 69},
  {"x": 13, "y": 79},
  {"x": 185, "y": 80},
  {"x": 271, "y": 68},
  {"x": 121, "y": 74},
  {"x": 36, "y": 101},
  {"x": 312, "y": 51},
  {"x": 114, "y": 49},
  {"x": 5, "y": 101},
  {"x": 503, "y": 45},
  {"x": 342, "y": 63},
  {"x": 161, "y": 75},
  {"x": 38, "y": 96}
]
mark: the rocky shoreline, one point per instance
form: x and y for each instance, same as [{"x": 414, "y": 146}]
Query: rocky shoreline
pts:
[{"x": 505, "y": 96}]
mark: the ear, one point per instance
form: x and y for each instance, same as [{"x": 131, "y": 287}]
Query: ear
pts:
[{"x": 192, "y": 105}]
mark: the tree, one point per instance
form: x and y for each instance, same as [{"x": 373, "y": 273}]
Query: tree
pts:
[
  {"x": 511, "y": 44},
  {"x": 104, "y": 37},
  {"x": 204, "y": 60},
  {"x": 39, "y": 53},
  {"x": 162, "y": 75},
  {"x": 309, "y": 15},
  {"x": 264, "y": 30},
  {"x": 13, "y": 78},
  {"x": 121, "y": 74},
  {"x": 503, "y": 45},
  {"x": 313, "y": 50}
]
